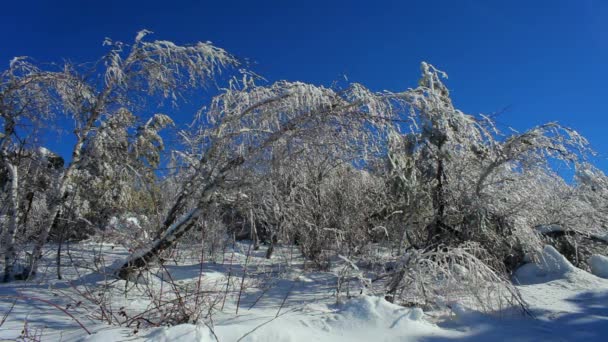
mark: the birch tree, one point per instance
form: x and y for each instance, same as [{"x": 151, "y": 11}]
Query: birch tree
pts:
[
  {"x": 26, "y": 99},
  {"x": 128, "y": 76}
]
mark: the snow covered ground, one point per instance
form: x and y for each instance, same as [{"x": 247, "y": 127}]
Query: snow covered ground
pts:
[{"x": 280, "y": 303}]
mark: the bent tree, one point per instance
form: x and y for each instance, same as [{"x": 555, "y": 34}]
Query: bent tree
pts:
[
  {"x": 129, "y": 76},
  {"x": 240, "y": 130},
  {"x": 474, "y": 180}
]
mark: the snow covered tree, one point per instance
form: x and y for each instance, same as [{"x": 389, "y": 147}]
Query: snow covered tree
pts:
[
  {"x": 116, "y": 175},
  {"x": 241, "y": 128},
  {"x": 130, "y": 76},
  {"x": 471, "y": 182},
  {"x": 26, "y": 101}
]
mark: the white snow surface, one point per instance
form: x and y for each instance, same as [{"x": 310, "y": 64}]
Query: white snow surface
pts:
[
  {"x": 362, "y": 319},
  {"x": 566, "y": 303}
]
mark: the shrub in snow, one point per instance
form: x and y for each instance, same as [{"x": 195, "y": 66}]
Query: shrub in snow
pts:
[{"x": 452, "y": 275}]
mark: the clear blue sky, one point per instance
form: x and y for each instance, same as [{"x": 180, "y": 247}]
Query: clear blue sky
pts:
[{"x": 541, "y": 60}]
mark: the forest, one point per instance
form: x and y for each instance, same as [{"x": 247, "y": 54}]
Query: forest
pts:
[{"x": 397, "y": 195}]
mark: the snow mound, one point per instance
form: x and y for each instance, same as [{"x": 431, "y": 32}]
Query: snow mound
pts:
[
  {"x": 554, "y": 268},
  {"x": 377, "y": 309},
  {"x": 367, "y": 317},
  {"x": 182, "y": 332},
  {"x": 599, "y": 265},
  {"x": 551, "y": 262},
  {"x": 370, "y": 318},
  {"x": 551, "y": 265}
]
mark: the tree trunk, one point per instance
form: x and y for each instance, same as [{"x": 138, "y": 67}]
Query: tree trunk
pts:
[
  {"x": 254, "y": 231},
  {"x": 58, "y": 257},
  {"x": 435, "y": 227},
  {"x": 270, "y": 250},
  {"x": 8, "y": 234},
  {"x": 167, "y": 237},
  {"x": 141, "y": 259},
  {"x": 30, "y": 200},
  {"x": 174, "y": 230},
  {"x": 55, "y": 207}
]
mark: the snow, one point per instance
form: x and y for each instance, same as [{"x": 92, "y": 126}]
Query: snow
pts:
[
  {"x": 551, "y": 228},
  {"x": 379, "y": 317},
  {"x": 599, "y": 265},
  {"x": 290, "y": 304},
  {"x": 361, "y": 319},
  {"x": 568, "y": 303},
  {"x": 134, "y": 221},
  {"x": 603, "y": 237},
  {"x": 44, "y": 152},
  {"x": 554, "y": 263},
  {"x": 182, "y": 332},
  {"x": 551, "y": 265}
]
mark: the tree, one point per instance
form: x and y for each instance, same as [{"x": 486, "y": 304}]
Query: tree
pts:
[
  {"x": 475, "y": 178},
  {"x": 26, "y": 100},
  {"x": 240, "y": 130},
  {"x": 107, "y": 188},
  {"x": 130, "y": 75}
]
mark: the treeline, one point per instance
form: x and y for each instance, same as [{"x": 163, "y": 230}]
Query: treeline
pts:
[{"x": 330, "y": 169}]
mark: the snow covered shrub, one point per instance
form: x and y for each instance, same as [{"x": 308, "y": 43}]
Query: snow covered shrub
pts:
[
  {"x": 348, "y": 274},
  {"x": 444, "y": 276},
  {"x": 209, "y": 240},
  {"x": 129, "y": 230},
  {"x": 320, "y": 204}
]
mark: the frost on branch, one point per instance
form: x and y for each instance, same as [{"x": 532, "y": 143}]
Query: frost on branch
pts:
[{"x": 161, "y": 66}]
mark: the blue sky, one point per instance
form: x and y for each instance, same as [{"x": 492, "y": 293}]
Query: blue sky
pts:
[{"x": 537, "y": 60}]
